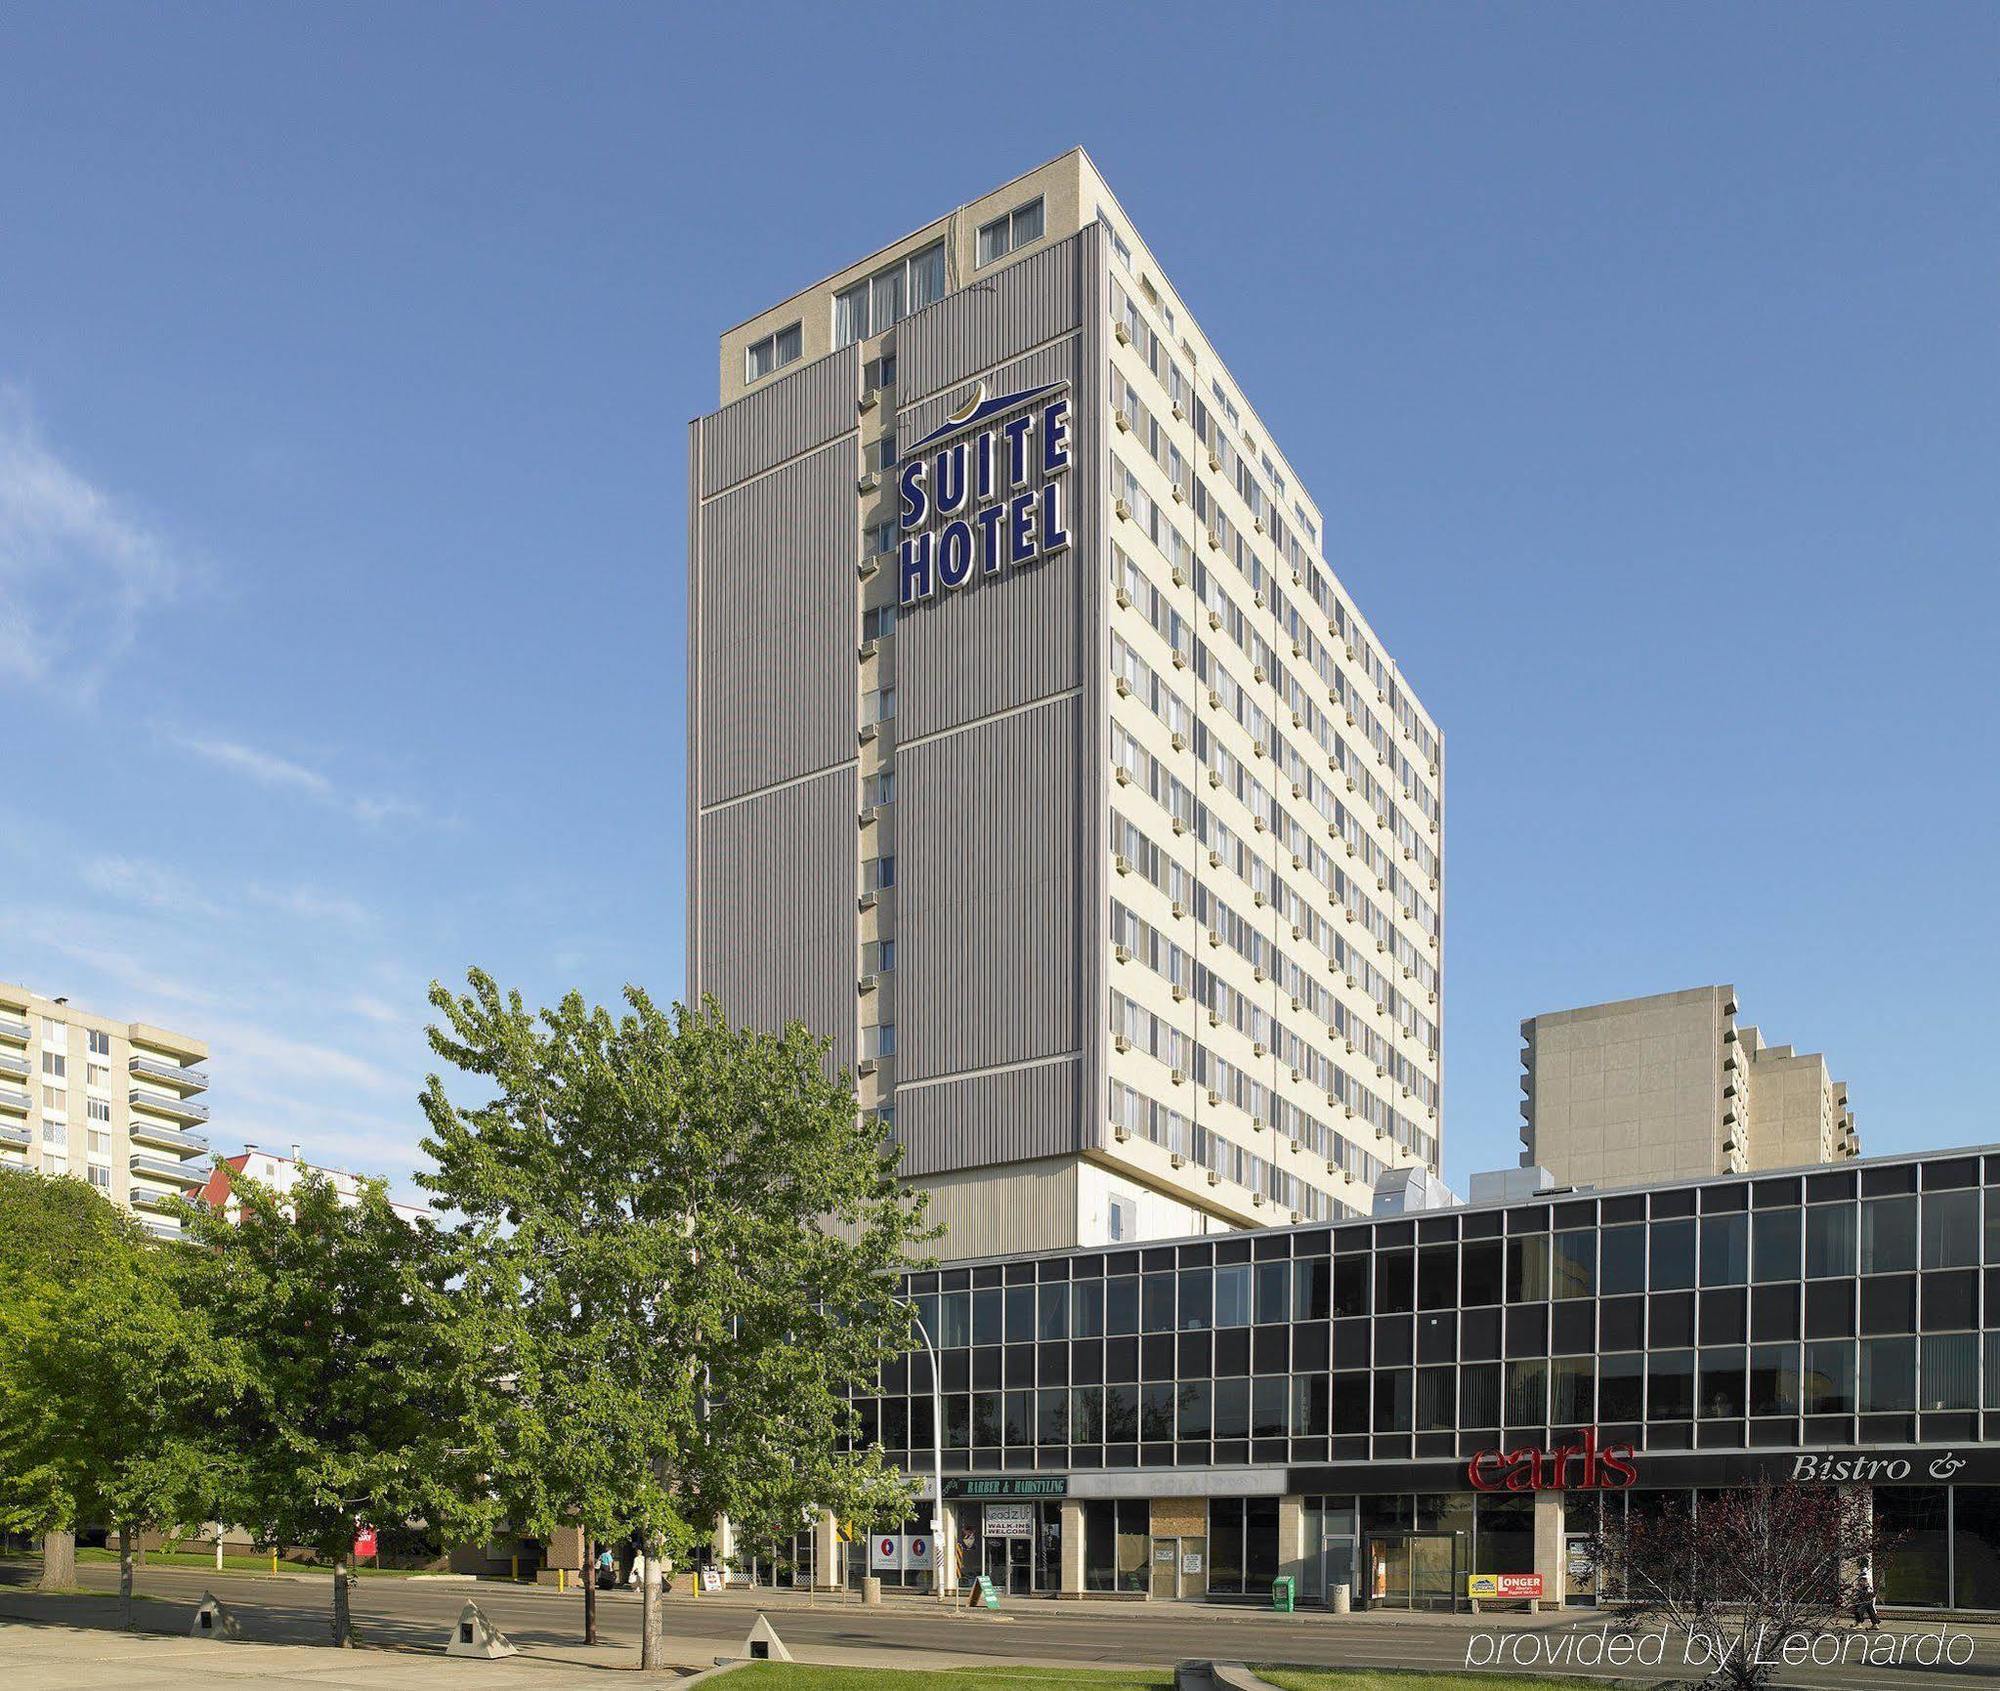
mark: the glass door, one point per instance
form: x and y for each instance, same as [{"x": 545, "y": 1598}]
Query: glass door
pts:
[
  {"x": 1020, "y": 1565},
  {"x": 1433, "y": 1571},
  {"x": 1413, "y": 1570},
  {"x": 1336, "y": 1567}
]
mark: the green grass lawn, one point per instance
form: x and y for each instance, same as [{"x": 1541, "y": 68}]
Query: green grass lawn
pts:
[
  {"x": 794, "y": 1677},
  {"x": 1342, "y": 1679}
]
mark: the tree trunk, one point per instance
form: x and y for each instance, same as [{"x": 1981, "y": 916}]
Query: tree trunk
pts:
[
  {"x": 125, "y": 1576},
  {"x": 343, "y": 1619},
  {"x": 652, "y": 1617},
  {"x": 59, "y": 1559},
  {"x": 590, "y": 1591}
]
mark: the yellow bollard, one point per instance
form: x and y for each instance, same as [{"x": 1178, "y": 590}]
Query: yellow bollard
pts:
[
  {"x": 562, "y": 1579},
  {"x": 274, "y": 1561},
  {"x": 514, "y": 1567}
]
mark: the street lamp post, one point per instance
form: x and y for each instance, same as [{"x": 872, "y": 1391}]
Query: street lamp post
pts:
[{"x": 940, "y": 1544}]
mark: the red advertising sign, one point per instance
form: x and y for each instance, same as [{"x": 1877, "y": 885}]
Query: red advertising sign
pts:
[{"x": 364, "y": 1542}]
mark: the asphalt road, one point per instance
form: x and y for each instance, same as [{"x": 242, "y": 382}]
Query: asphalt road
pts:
[{"x": 417, "y": 1615}]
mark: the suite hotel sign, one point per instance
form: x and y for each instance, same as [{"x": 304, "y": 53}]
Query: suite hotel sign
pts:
[{"x": 999, "y": 488}]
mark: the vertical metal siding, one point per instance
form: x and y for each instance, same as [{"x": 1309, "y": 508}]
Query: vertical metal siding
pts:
[
  {"x": 986, "y": 902},
  {"x": 775, "y": 579},
  {"x": 776, "y": 909},
  {"x": 953, "y": 1124},
  {"x": 1013, "y": 637},
  {"x": 995, "y": 317},
  {"x": 797, "y": 412}
]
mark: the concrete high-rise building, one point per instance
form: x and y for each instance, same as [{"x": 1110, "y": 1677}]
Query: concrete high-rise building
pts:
[
  {"x": 110, "y": 1102},
  {"x": 1038, "y": 757},
  {"x": 1670, "y": 1088}
]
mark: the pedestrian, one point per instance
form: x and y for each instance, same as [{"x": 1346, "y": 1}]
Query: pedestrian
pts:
[
  {"x": 607, "y": 1569},
  {"x": 1864, "y": 1597}
]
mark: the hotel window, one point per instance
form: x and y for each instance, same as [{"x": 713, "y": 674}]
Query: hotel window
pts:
[
  {"x": 879, "y": 788},
  {"x": 99, "y": 1109},
  {"x": 54, "y": 1098},
  {"x": 773, "y": 352},
  {"x": 54, "y": 1132},
  {"x": 1119, "y": 249},
  {"x": 100, "y": 1177},
  {"x": 881, "y": 454},
  {"x": 1012, "y": 232},
  {"x": 881, "y": 372},
  {"x": 879, "y": 706},
  {"x": 879, "y": 1040},
  {"x": 100, "y": 1043},
  {"x": 54, "y": 1165},
  {"x": 878, "y": 957},
  {"x": 878, "y": 621},
  {"x": 97, "y": 1074},
  {"x": 880, "y": 301},
  {"x": 882, "y": 537},
  {"x": 1121, "y": 1214},
  {"x": 99, "y": 1143},
  {"x": 878, "y": 873},
  {"x": 55, "y": 1064}
]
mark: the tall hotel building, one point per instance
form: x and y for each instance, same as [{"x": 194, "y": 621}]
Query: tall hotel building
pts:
[
  {"x": 1038, "y": 757},
  {"x": 114, "y": 1103}
]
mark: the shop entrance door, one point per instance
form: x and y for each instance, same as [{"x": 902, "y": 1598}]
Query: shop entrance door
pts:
[
  {"x": 1336, "y": 1565},
  {"x": 1579, "y": 1570},
  {"x": 1413, "y": 1570},
  {"x": 1010, "y": 1564},
  {"x": 1179, "y": 1569}
]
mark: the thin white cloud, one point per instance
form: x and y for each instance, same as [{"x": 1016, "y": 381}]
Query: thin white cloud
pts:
[
  {"x": 302, "y": 1068},
  {"x": 138, "y": 880},
  {"x": 310, "y": 904},
  {"x": 373, "y": 1009},
  {"x": 264, "y": 768},
  {"x": 76, "y": 571},
  {"x": 268, "y": 769}
]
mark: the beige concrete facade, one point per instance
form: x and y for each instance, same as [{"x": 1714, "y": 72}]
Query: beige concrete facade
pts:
[
  {"x": 114, "y": 1103},
  {"x": 1669, "y": 1087},
  {"x": 1242, "y": 681}
]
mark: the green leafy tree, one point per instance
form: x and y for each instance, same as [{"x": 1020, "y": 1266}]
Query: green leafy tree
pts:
[
  {"x": 355, "y": 1410},
  {"x": 127, "y": 1387},
  {"x": 673, "y": 1245},
  {"x": 113, "y": 1386}
]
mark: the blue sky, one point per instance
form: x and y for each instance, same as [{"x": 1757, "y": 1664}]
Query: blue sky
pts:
[{"x": 1643, "y": 361}]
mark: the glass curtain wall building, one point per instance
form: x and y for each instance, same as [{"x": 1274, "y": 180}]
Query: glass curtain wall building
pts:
[{"x": 1193, "y": 1418}]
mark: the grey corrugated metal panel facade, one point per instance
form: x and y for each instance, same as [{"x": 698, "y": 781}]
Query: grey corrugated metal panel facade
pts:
[
  {"x": 1016, "y": 636},
  {"x": 996, "y": 317},
  {"x": 778, "y": 626},
  {"x": 988, "y": 912},
  {"x": 776, "y": 909},
  {"x": 993, "y": 1212},
  {"x": 1011, "y": 1115},
  {"x": 806, "y": 408}
]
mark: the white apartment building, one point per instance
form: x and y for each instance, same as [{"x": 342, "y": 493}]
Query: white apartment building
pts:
[
  {"x": 1039, "y": 757},
  {"x": 114, "y": 1103},
  {"x": 1669, "y": 1087}
]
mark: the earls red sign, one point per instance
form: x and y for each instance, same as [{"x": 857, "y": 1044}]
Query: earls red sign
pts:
[{"x": 1583, "y": 1466}]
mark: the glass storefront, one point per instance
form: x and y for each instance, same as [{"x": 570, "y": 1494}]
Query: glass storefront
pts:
[{"x": 1716, "y": 1327}]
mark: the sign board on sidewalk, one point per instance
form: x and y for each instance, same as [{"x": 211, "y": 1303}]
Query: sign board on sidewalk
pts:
[
  {"x": 1503, "y": 1585},
  {"x": 711, "y": 1579}
]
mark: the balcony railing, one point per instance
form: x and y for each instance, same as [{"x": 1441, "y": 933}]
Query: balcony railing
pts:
[
  {"x": 14, "y": 1133},
  {"x": 168, "y": 1168},
  {"x": 16, "y": 1032},
  {"x": 173, "y": 1074},
  {"x": 150, "y": 1197},
  {"x": 13, "y": 1065},
  {"x": 11, "y": 1098},
  {"x": 184, "y": 1109},
  {"x": 158, "y": 1133}
]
